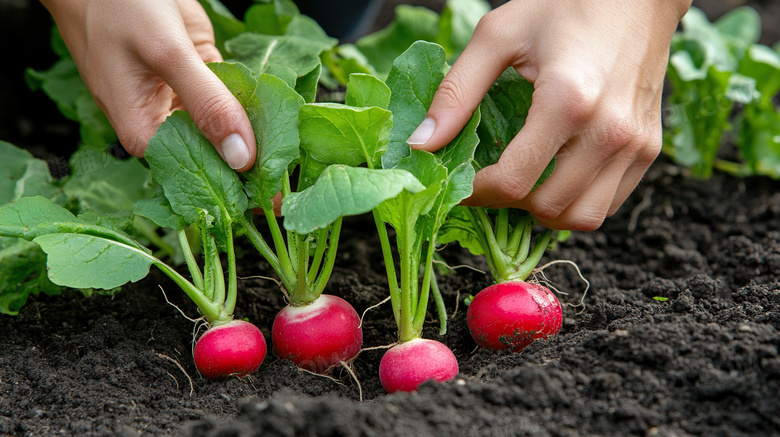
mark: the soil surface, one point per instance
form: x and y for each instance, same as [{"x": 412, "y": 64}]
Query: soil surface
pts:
[{"x": 704, "y": 362}]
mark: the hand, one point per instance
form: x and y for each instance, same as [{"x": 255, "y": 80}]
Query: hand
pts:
[
  {"x": 597, "y": 70},
  {"x": 143, "y": 59}
]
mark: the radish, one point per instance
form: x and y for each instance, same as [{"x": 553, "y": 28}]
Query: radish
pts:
[
  {"x": 235, "y": 348},
  {"x": 318, "y": 336},
  {"x": 511, "y": 315},
  {"x": 407, "y": 365}
]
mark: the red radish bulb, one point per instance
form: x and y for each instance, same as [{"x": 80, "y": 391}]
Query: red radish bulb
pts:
[
  {"x": 511, "y": 315},
  {"x": 234, "y": 349},
  {"x": 318, "y": 336},
  {"x": 407, "y": 365}
]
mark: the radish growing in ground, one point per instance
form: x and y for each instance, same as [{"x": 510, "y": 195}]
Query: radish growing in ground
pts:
[
  {"x": 318, "y": 336},
  {"x": 234, "y": 348},
  {"x": 511, "y": 315},
  {"x": 407, "y": 365}
]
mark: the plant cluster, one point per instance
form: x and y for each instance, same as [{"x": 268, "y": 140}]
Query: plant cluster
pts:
[
  {"x": 331, "y": 122},
  {"x": 723, "y": 80}
]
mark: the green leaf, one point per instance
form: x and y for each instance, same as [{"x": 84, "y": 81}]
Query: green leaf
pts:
[
  {"x": 62, "y": 83},
  {"x": 504, "y": 110},
  {"x": 341, "y": 191},
  {"x": 95, "y": 129},
  {"x": 287, "y": 57},
  {"x": 80, "y": 255},
  {"x": 21, "y": 175},
  {"x": 763, "y": 65},
  {"x": 307, "y": 84},
  {"x": 457, "y": 23},
  {"x": 22, "y": 274},
  {"x": 759, "y": 140},
  {"x": 414, "y": 79},
  {"x": 462, "y": 148},
  {"x": 309, "y": 169},
  {"x": 57, "y": 43},
  {"x": 158, "y": 209},
  {"x": 193, "y": 175},
  {"x": 334, "y": 133},
  {"x": 742, "y": 24},
  {"x": 406, "y": 211},
  {"x": 367, "y": 90},
  {"x": 270, "y": 18},
  {"x": 96, "y": 184},
  {"x": 341, "y": 62},
  {"x": 458, "y": 228},
  {"x": 226, "y": 26},
  {"x": 85, "y": 261},
  {"x": 305, "y": 27},
  {"x": 411, "y": 23},
  {"x": 274, "y": 115}
]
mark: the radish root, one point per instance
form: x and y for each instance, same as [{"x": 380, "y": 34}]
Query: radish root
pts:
[
  {"x": 348, "y": 367},
  {"x": 166, "y": 357},
  {"x": 371, "y": 308},
  {"x": 539, "y": 277}
]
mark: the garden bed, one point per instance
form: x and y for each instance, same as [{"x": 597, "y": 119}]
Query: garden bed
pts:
[
  {"x": 704, "y": 362},
  {"x": 679, "y": 336}
]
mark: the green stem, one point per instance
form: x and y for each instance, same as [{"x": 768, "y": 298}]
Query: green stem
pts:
[
  {"x": 422, "y": 305},
  {"x": 299, "y": 294},
  {"x": 232, "y": 290},
  {"x": 477, "y": 225},
  {"x": 525, "y": 244},
  {"x": 285, "y": 264},
  {"x": 514, "y": 241},
  {"x": 405, "y": 250},
  {"x": 258, "y": 241},
  {"x": 392, "y": 278},
  {"x": 213, "y": 277},
  {"x": 321, "y": 236},
  {"x": 189, "y": 258},
  {"x": 528, "y": 266},
  {"x": 293, "y": 243},
  {"x": 207, "y": 308},
  {"x": 502, "y": 227},
  {"x": 145, "y": 227},
  {"x": 501, "y": 262},
  {"x": 441, "y": 309},
  {"x": 330, "y": 259}
]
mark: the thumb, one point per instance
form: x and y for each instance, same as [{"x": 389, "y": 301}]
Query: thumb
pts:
[
  {"x": 215, "y": 110},
  {"x": 459, "y": 94},
  {"x": 220, "y": 116}
]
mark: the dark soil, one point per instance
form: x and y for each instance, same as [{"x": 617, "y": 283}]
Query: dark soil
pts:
[{"x": 704, "y": 362}]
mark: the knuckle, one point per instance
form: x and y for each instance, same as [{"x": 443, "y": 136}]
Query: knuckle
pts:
[
  {"x": 161, "y": 51},
  {"x": 491, "y": 25},
  {"x": 648, "y": 151},
  {"x": 450, "y": 93},
  {"x": 510, "y": 189},
  {"x": 580, "y": 97},
  {"x": 544, "y": 209},
  {"x": 212, "y": 114}
]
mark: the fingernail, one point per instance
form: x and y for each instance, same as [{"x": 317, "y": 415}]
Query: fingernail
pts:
[
  {"x": 423, "y": 133},
  {"x": 234, "y": 151}
]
